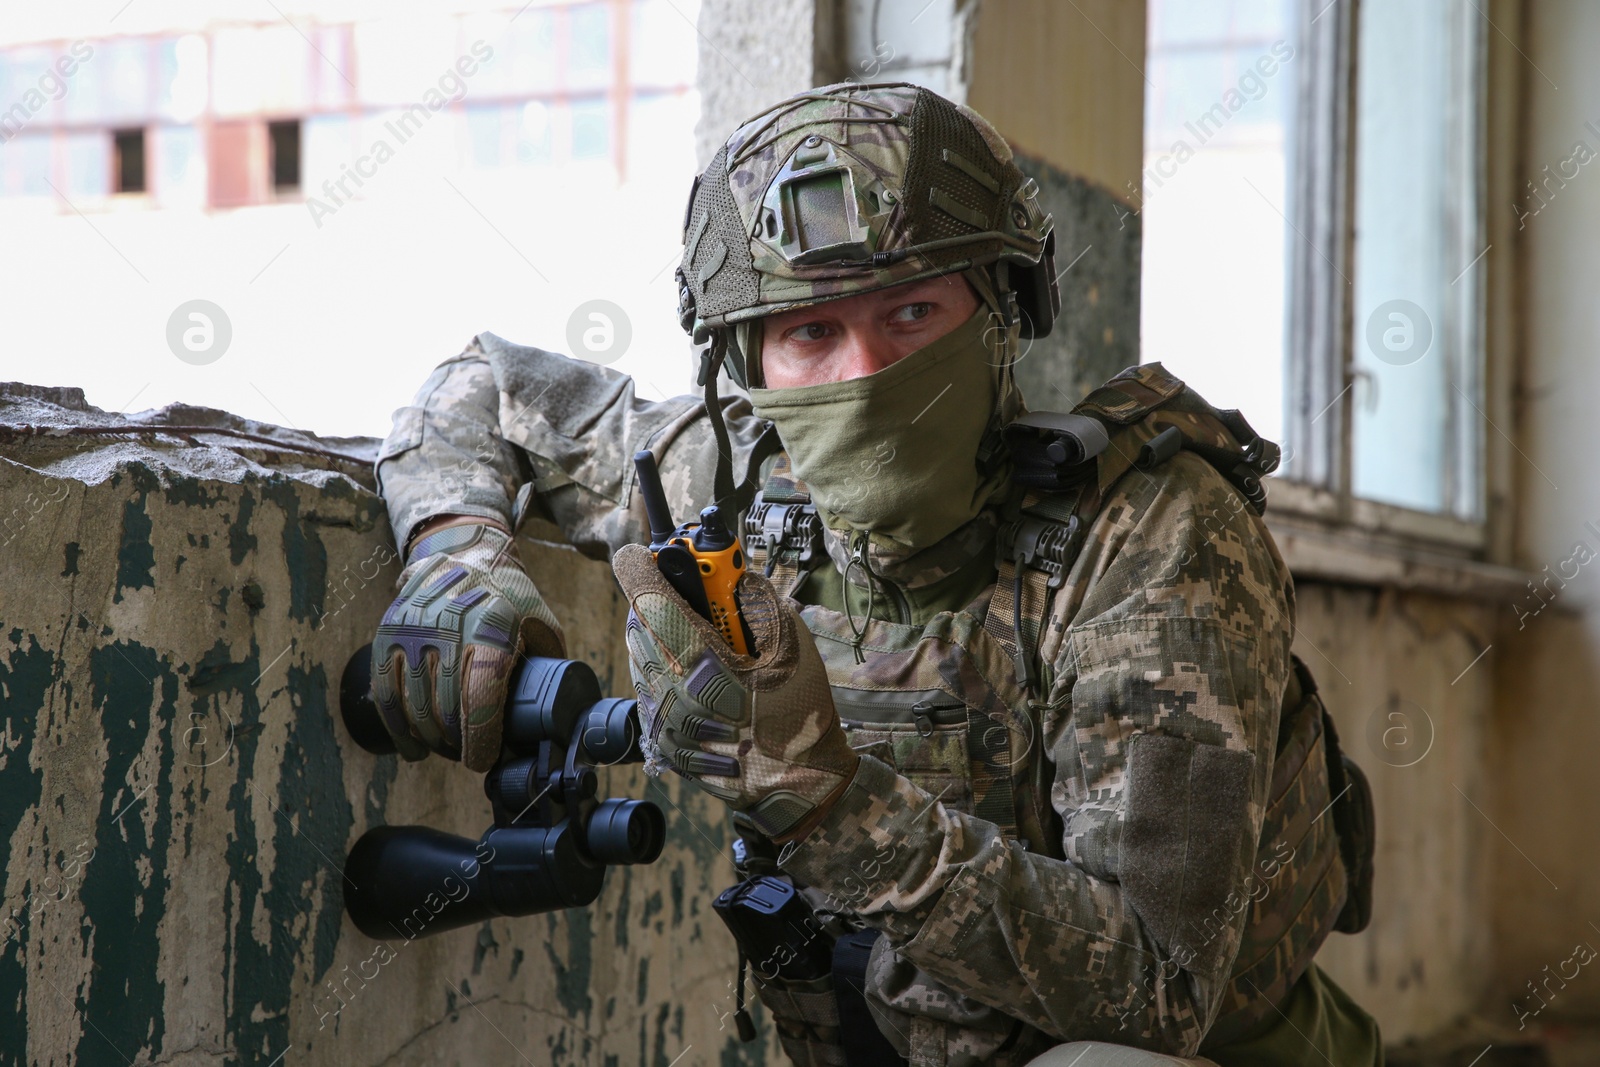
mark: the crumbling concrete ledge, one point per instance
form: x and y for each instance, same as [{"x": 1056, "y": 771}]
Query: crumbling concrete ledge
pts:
[{"x": 180, "y": 592}]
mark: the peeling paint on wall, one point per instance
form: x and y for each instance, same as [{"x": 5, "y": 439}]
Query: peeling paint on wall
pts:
[{"x": 178, "y": 792}]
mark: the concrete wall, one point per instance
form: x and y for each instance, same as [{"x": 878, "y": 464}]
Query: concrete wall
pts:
[
  {"x": 751, "y": 56},
  {"x": 178, "y": 794},
  {"x": 1385, "y": 662},
  {"x": 1546, "y": 731},
  {"x": 1065, "y": 82}
]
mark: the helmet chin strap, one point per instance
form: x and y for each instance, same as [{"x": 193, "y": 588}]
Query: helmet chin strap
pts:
[{"x": 710, "y": 367}]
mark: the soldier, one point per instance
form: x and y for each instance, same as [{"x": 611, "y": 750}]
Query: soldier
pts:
[{"x": 1020, "y": 716}]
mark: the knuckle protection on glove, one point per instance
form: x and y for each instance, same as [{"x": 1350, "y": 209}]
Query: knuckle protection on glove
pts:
[
  {"x": 465, "y": 610},
  {"x": 417, "y": 692},
  {"x": 388, "y": 668},
  {"x": 717, "y": 691},
  {"x": 493, "y": 625}
]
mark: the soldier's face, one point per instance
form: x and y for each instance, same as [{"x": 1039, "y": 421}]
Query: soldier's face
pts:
[{"x": 860, "y": 335}]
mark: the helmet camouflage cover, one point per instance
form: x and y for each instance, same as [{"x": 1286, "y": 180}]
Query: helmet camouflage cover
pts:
[{"x": 852, "y": 188}]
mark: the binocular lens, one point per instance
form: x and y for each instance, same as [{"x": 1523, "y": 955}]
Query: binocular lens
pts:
[
  {"x": 611, "y": 733},
  {"x": 626, "y": 831},
  {"x": 361, "y": 716}
]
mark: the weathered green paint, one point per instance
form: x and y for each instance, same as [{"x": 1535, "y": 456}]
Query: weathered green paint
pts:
[
  {"x": 135, "y": 692},
  {"x": 135, "y": 556},
  {"x": 572, "y": 968},
  {"x": 241, "y": 542},
  {"x": 27, "y": 674},
  {"x": 310, "y": 786},
  {"x": 303, "y": 552},
  {"x": 199, "y": 932}
]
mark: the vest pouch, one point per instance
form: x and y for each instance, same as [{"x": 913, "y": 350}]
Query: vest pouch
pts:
[
  {"x": 806, "y": 1017},
  {"x": 922, "y": 734}
]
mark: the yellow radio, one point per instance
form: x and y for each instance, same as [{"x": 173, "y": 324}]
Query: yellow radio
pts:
[{"x": 702, "y": 560}]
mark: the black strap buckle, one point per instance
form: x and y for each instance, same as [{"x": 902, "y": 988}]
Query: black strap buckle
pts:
[
  {"x": 788, "y": 530},
  {"x": 1042, "y": 544}
]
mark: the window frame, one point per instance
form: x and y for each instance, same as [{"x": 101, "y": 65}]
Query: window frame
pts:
[{"x": 1315, "y": 483}]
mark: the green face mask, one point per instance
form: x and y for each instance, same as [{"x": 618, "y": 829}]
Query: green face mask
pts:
[{"x": 895, "y": 453}]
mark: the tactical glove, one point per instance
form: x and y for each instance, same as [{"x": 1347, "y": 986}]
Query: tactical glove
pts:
[
  {"x": 758, "y": 731},
  {"x": 446, "y": 647}
]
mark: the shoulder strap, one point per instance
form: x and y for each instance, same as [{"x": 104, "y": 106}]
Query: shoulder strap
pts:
[{"x": 1144, "y": 416}]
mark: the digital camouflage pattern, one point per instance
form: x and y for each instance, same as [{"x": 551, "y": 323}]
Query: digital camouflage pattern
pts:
[
  {"x": 493, "y": 422},
  {"x": 1166, "y": 649},
  {"x": 756, "y": 731}
]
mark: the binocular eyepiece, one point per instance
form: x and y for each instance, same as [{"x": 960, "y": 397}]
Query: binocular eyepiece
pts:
[{"x": 553, "y": 836}]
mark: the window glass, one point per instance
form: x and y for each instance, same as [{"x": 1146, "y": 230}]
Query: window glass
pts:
[
  {"x": 589, "y": 54},
  {"x": 1213, "y": 199},
  {"x": 88, "y": 159},
  {"x": 655, "y": 138},
  {"x": 400, "y": 59},
  {"x": 1413, "y": 327},
  {"x": 326, "y": 142},
  {"x": 125, "y": 84},
  {"x": 284, "y": 61},
  {"x": 331, "y": 72},
  {"x": 534, "y": 128},
  {"x": 485, "y": 131},
  {"x": 591, "y": 129},
  {"x": 495, "y": 76},
  {"x": 180, "y": 166},
  {"x": 527, "y": 52},
  {"x": 25, "y": 165},
  {"x": 30, "y": 87}
]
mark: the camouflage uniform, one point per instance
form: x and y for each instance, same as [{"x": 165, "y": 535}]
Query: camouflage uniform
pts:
[
  {"x": 1073, "y": 856},
  {"x": 1167, "y": 653}
]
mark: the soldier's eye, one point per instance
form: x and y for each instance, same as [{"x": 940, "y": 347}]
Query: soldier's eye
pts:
[
  {"x": 811, "y": 331},
  {"x": 913, "y": 312}
]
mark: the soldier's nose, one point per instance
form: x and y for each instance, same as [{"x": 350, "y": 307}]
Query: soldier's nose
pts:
[{"x": 866, "y": 355}]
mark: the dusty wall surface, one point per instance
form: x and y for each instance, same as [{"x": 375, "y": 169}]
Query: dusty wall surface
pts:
[
  {"x": 1065, "y": 81},
  {"x": 178, "y": 793},
  {"x": 751, "y": 56},
  {"x": 1097, "y": 270},
  {"x": 1541, "y": 755},
  {"x": 1386, "y": 664},
  {"x": 1545, "y": 877}
]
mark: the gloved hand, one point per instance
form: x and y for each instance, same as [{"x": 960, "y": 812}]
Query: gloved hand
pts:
[
  {"x": 445, "y": 650},
  {"x": 758, "y": 731}
]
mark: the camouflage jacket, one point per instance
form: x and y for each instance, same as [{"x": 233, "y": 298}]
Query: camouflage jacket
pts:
[{"x": 1167, "y": 656}]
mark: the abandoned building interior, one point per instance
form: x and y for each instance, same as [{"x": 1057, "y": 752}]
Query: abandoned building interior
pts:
[{"x": 238, "y": 237}]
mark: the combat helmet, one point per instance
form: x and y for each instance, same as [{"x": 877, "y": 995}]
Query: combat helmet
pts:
[{"x": 851, "y": 188}]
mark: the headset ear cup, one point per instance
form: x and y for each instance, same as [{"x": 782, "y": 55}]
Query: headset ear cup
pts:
[{"x": 1038, "y": 294}]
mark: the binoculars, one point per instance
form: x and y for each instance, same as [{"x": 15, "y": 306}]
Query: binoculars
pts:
[{"x": 552, "y": 837}]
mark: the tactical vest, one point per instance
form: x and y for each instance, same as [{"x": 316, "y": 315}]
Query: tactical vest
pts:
[{"x": 955, "y": 704}]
